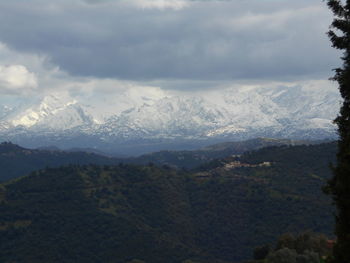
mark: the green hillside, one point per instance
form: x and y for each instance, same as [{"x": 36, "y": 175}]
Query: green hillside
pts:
[
  {"x": 195, "y": 158},
  {"x": 120, "y": 213},
  {"x": 17, "y": 161}
]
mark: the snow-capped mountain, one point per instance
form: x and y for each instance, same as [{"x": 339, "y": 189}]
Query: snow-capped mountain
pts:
[
  {"x": 153, "y": 114},
  {"x": 57, "y": 112}
]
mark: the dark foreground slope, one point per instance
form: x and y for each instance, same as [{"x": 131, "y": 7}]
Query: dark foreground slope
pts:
[{"x": 125, "y": 212}]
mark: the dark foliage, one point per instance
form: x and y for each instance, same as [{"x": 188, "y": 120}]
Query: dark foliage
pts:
[
  {"x": 306, "y": 247},
  {"x": 129, "y": 213},
  {"x": 201, "y": 157},
  {"x": 339, "y": 186},
  {"x": 16, "y": 161}
]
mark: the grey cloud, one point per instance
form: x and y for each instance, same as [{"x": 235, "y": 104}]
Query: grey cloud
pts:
[{"x": 249, "y": 39}]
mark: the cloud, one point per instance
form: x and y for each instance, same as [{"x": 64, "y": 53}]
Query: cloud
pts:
[
  {"x": 33, "y": 77},
  {"x": 17, "y": 77},
  {"x": 161, "y": 4},
  {"x": 146, "y": 4},
  {"x": 207, "y": 40}
]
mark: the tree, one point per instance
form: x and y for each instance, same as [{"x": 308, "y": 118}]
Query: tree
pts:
[
  {"x": 286, "y": 240},
  {"x": 284, "y": 255},
  {"x": 339, "y": 185},
  {"x": 260, "y": 253},
  {"x": 136, "y": 261},
  {"x": 308, "y": 257}
]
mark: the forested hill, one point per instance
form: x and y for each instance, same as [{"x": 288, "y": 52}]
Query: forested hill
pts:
[
  {"x": 125, "y": 212},
  {"x": 195, "y": 158},
  {"x": 300, "y": 155},
  {"x": 17, "y": 161}
]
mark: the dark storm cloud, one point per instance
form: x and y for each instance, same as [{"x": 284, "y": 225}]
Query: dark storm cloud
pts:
[{"x": 250, "y": 39}]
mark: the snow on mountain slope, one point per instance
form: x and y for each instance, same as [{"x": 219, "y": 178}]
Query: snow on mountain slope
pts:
[
  {"x": 175, "y": 116},
  {"x": 4, "y": 111},
  {"x": 104, "y": 107},
  {"x": 53, "y": 112},
  {"x": 153, "y": 113}
]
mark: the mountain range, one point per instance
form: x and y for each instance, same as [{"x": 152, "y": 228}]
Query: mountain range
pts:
[{"x": 139, "y": 121}]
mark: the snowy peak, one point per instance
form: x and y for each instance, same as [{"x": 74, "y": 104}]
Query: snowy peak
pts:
[
  {"x": 101, "y": 108},
  {"x": 149, "y": 113},
  {"x": 56, "y": 111}
]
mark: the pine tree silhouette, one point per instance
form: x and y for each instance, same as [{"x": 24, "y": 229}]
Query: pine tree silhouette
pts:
[{"x": 339, "y": 185}]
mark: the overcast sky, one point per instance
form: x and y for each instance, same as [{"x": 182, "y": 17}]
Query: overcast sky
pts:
[{"x": 172, "y": 44}]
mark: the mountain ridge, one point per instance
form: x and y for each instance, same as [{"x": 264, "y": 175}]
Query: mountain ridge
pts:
[
  {"x": 160, "y": 118},
  {"x": 35, "y": 159}
]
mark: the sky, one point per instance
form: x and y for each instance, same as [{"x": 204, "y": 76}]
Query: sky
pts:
[{"x": 104, "y": 46}]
